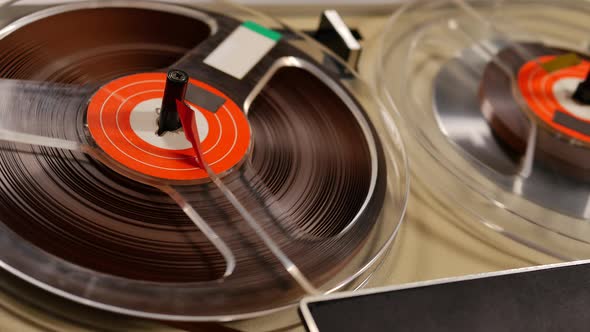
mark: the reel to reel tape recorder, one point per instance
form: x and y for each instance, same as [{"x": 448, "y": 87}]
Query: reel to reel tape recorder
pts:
[{"x": 281, "y": 173}]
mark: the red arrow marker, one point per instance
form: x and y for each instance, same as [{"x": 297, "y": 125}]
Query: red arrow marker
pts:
[{"x": 189, "y": 125}]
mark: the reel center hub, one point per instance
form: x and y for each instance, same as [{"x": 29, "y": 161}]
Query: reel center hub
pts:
[
  {"x": 122, "y": 120},
  {"x": 549, "y": 96}
]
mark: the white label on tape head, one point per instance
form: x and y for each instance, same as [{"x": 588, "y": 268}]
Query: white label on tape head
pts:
[{"x": 243, "y": 49}]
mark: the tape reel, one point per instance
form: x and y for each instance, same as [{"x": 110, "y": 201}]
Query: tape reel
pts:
[
  {"x": 474, "y": 124},
  {"x": 303, "y": 190}
]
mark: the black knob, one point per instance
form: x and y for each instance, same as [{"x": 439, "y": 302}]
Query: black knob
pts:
[
  {"x": 176, "y": 84},
  {"x": 337, "y": 36},
  {"x": 582, "y": 94}
]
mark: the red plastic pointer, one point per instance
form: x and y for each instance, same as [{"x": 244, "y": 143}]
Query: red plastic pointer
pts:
[{"x": 189, "y": 125}]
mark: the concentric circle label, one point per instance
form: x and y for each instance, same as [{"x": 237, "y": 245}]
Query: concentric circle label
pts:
[
  {"x": 549, "y": 96},
  {"x": 122, "y": 119}
]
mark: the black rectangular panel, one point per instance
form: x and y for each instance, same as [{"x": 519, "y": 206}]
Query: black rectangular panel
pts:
[
  {"x": 571, "y": 122},
  {"x": 555, "y": 298},
  {"x": 203, "y": 98}
]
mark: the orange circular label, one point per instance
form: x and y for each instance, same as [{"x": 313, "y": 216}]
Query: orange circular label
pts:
[
  {"x": 549, "y": 96},
  {"x": 122, "y": 119}
]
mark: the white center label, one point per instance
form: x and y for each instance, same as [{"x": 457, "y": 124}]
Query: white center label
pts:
[{"x": 143, "y": 120}]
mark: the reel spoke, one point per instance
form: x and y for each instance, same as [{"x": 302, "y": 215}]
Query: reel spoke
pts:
[{"x": 33, "y": 112}]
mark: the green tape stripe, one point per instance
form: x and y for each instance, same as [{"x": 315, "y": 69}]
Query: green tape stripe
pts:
[{"x": 271, "y": 34}]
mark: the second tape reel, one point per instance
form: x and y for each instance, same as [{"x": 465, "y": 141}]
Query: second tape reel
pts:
[{"x": 492, "y": 98}]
